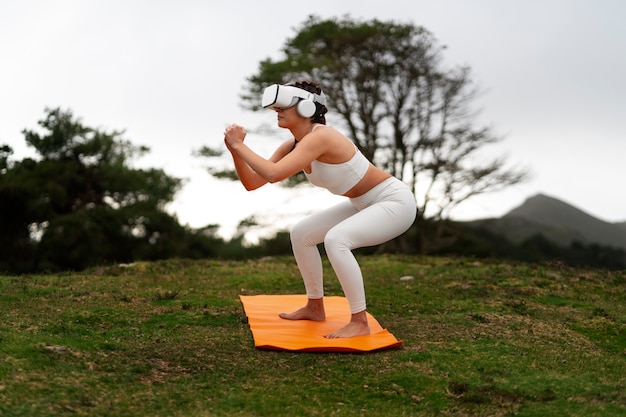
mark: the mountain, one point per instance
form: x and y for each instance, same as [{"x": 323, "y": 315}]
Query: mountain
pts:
[{"x": 557, "y": 221}]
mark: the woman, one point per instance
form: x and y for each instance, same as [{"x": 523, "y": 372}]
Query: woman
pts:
[{"x": 378, "y": 207}]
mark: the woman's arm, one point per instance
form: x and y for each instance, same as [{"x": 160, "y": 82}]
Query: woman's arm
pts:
[
  {"x": 248, "y": 177},
  {"x": 283, "y": 163}
]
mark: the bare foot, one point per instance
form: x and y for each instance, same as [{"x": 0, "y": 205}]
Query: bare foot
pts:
[
  {"x": 313, "y": 310},
  {"x": 357, "y": 327}
]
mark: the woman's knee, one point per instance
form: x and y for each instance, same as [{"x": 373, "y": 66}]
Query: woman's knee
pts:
[
  {"x": 300, "y": 233},
  {"x": 296, "y": 234},
  {"x": 335, "y": 239}
]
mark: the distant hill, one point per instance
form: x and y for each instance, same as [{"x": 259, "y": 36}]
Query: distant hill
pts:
[{"x": 557, "y": 221}]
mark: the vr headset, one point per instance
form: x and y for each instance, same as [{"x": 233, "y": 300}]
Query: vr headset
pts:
[{"x": 282, "y": 97}]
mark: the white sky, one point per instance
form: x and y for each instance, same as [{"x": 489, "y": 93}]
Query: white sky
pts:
[{"x": 170, "y": 74}]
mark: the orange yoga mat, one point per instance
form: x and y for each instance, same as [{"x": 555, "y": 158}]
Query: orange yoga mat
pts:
[{"x": 271, "y": 332}]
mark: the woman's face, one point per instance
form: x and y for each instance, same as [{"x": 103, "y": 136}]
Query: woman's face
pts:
[{"x": 289, "y": 117}]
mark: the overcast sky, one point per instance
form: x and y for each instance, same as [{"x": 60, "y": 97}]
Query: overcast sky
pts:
[{"x": 169, "y": 73}]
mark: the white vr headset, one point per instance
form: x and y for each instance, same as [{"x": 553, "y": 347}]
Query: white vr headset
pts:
[{"x": 278, "y": 96}]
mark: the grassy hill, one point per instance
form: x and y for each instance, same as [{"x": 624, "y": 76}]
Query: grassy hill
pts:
[
  {"x": 171, "y": 339},
  {"x": 556, "y": 220}
]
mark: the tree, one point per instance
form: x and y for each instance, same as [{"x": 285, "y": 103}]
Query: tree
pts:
[
  {"x": 80, "y": 203},
  {"x": 402, "y": 106},
  {"x": 16, "y": 214}
]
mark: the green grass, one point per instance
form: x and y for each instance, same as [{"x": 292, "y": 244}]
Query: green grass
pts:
[{"x": 171, "y": 339}]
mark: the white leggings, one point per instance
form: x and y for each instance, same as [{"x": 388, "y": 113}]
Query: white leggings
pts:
[{"x": 381, "y": 214}]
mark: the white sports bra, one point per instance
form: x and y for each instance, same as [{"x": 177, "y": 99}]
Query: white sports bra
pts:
[{"x": 339, "y": 178}]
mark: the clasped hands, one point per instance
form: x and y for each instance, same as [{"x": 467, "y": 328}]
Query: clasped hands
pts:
[{"x": 234, "y": 134}]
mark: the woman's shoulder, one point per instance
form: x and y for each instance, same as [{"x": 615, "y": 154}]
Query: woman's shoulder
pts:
[
  {"x": 335, "y": 146},
  {"x": 328, "y": 135},
  {"x": 326, "y": 131}
]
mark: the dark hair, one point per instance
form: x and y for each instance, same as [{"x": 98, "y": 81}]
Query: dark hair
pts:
[{"x": 320, "y": 109}]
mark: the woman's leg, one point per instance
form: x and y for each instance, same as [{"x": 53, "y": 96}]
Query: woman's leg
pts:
[
  {"x": 390, "y": 214},
  {"x": 305, "y": 236}
]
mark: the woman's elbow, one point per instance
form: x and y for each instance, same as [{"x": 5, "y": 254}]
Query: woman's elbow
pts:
[
  {"x": 275, "y": 177},
  {"x": 253, "y": 185}
]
